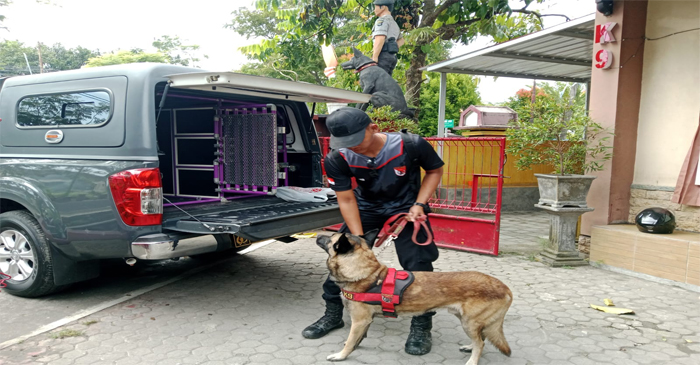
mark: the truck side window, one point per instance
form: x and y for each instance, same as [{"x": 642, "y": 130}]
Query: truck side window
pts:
[{"x": 86, "y": 108}]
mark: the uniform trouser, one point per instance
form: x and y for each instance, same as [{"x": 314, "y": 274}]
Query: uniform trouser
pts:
[
  {"x": 387, "y": 62},
  {"x": 412, "y": 257}
]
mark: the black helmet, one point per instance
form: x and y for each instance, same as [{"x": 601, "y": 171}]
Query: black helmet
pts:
[
  {"x": 655, "y": 220},
  {"x": 384, "y": 2}
]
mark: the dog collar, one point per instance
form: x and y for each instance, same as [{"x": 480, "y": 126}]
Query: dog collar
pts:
[{"x": 365, "y": 66}]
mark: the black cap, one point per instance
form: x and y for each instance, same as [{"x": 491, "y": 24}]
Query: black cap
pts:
[{"x": 347, "y": 127}]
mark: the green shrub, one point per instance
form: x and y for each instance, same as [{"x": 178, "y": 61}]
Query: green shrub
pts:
[{"x": 389, "y": 121}]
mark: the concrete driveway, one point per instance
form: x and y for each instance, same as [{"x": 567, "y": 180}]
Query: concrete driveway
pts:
[{"x": 251, "y": 310}]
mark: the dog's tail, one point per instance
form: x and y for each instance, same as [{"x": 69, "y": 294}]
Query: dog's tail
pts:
[{"x": 494, "y": 331}]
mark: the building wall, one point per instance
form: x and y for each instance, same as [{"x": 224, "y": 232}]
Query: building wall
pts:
[
  {"x": 669, "y": 110},
  {"x": 615, "y": 99},
  {"x": 670, "y": 100},
  {"x": 687, "y": 217}
]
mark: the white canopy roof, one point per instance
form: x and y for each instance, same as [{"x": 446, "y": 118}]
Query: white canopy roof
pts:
[
  {"x": 560, "y": 53},
  {"x": 237, "y": 83}
]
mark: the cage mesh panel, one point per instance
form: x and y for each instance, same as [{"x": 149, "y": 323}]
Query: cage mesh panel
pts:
[{"x": 250, "y": 150}]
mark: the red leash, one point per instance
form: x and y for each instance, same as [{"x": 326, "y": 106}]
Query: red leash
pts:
[
  {"x": 391, "y": 233},
  {"x": 3, "y": 277}
]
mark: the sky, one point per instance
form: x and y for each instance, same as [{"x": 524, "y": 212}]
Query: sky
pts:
[{"x": 127, "y": 24}]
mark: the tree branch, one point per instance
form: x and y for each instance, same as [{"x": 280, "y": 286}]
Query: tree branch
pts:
[
  {"x": 429, "y": 19},
  {"x": 538, "y": 15},
  {"x": 452, "y": 31}
]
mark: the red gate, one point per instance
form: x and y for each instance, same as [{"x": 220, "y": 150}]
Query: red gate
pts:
[{"x": 467, "y": 204}]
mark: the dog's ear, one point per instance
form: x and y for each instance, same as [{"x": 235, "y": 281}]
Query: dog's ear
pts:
[
  {"x": 371, "y": 236},
  {"x": 356, "y": 52},
  {"x": 342, "y": 245}
]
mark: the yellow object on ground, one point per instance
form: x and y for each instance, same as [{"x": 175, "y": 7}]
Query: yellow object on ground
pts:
[
  {"x": 304, "y": 235},
  {"x": 608, "y": 302},
  {"x": 612, "y": 310}
]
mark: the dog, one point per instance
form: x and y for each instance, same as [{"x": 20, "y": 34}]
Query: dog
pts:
[
  {"x": 480, "y": 301},
  {"x": 377, "y": 82}
]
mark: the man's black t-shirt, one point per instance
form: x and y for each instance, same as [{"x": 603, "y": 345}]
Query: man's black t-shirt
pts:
[{"x": 387, "y": 184}]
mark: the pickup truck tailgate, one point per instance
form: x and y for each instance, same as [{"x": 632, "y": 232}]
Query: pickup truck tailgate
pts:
[{"x": 255, "y": 218}]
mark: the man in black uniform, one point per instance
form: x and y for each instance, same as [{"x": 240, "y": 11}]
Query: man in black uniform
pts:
[
  {"x": 386, "y": 36},
  {"x": 387, "y": 169}
]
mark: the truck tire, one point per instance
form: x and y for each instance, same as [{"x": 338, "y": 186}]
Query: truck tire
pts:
[{"x": 25, "y": 255}]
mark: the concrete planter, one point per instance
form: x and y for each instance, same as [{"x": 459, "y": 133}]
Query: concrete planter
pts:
[{"x": 560, "y": 191}]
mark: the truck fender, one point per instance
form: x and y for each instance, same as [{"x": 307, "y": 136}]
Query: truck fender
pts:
[{"x": 23, "y": 192}]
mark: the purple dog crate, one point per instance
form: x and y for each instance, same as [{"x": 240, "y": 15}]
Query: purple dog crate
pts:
[{"x": 248, "y": 150}]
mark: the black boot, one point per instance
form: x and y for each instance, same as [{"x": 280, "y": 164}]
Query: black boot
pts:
[
  {"x": 332, "y": 319},
  {"x": 419, "y": 341}
]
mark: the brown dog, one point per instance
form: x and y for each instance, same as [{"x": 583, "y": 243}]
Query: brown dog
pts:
[{"x": 478, "y": 300}]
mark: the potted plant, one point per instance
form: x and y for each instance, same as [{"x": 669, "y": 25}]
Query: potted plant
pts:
[{"x": 555, "y": 132}]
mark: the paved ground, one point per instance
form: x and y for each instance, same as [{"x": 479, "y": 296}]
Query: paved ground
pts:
[
  {"x": 117, "y": 279},
  {"x": 252, "y": 308}
]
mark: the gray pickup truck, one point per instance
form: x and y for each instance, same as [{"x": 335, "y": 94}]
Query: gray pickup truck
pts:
[{"x": 128, "y": 161}]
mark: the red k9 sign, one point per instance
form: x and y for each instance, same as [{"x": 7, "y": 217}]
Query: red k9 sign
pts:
[
  {"x": 603, "y": 34},
  {"x": 603, "y": 59}
]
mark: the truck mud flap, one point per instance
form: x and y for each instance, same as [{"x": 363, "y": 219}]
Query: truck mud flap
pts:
[{"x": 255, "y": 218}]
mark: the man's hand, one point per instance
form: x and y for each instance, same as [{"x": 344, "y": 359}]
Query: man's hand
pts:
[{"x": 415, "y": 212}]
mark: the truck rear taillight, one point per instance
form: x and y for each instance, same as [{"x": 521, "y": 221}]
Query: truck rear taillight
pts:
[{"x": 138, "y": 194}]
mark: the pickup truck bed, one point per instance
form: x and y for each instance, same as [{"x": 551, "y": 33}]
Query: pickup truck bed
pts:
[{"x": 254, "y": 218}]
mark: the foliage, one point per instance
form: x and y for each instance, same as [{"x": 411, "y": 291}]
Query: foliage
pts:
[
  {"x": 523, "y": 98},
  {"x": 426, "y": 23},
  {"x": 345, "y": 79},
  {"x": 554, "y": 132},
  {"x": 389, "y": 121},
  {"x": 54, "y": 58},
  {"x": 281, "y": 56},
  {"x": 460, "y": 94},
  {"x": 169, "y": 50},
  {"x": 561, "y": 92},
  {"x": 176, "y": 52},
  {"x": 2, "y": 17},
  {"x": 121, "y": 57}
]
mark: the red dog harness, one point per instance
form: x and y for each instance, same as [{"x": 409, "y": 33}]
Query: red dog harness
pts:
[
  {"x": 391, "y": 233},
  {"x": 388, "y": 295}
]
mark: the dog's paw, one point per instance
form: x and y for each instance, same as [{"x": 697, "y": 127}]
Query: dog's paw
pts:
[
  {"x": 466, "y": 348},
  {"x": 336, "y": 357}
]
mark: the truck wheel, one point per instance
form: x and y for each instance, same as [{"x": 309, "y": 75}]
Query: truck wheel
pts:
[{"x": 25, "y": 255}]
